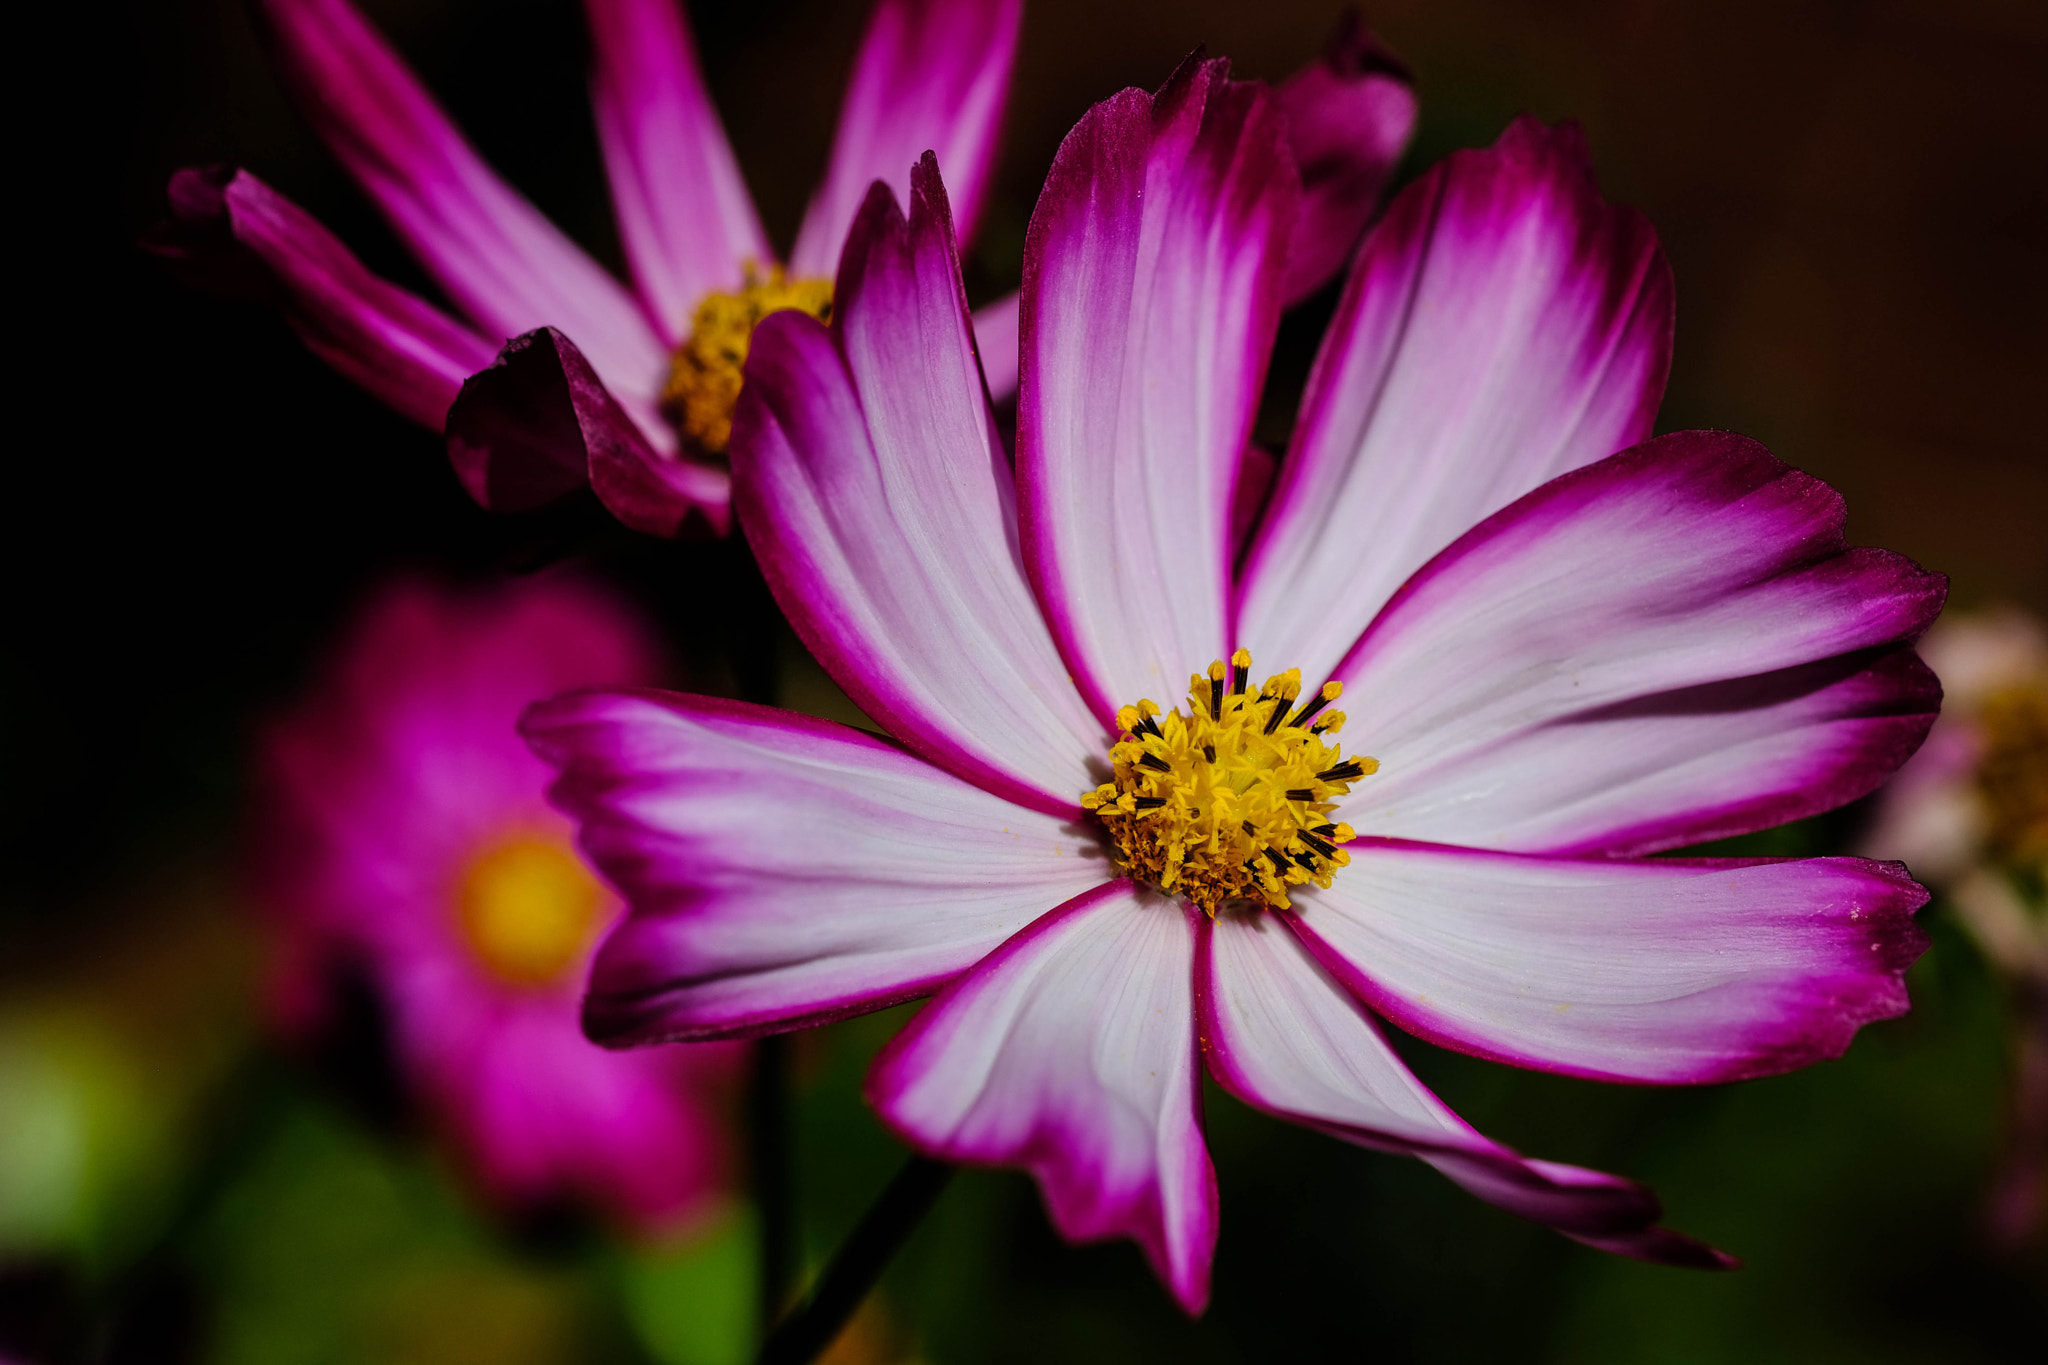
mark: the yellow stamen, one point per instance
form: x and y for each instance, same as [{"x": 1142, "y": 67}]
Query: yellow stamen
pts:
[
  {"x": 2013, "y": 775},
  {"x": 528, "y": 909},
  {"x": 704, "y": 379},
  {"x": 1231, "y": 799}
]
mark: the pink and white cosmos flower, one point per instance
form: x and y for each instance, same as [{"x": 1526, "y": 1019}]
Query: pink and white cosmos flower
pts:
[
  {"x": 1564, "y": 658},
  {"x": 408, "y": 834},
  {"x": 556, "y": 375}
]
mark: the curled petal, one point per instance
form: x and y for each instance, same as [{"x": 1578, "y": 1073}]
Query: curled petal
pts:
[
  {"x": 233, "y": 233},
  {"x": 1151, "y": 295},
  {"x": 1664, "y": 971},
  {"x": 1283, "y": 1035},
  {"x": 932, "y": 76},
  {"x": 538, "y": 424},
  {"x": 502, "y": 263},
  {"x": 1349, "y": 117},
  {"x": 1669, "y": 646},
  {"x": 877, "y": 496},
  {"x": 684, "y": 214},
  {"x": 782, "y": 871},
  {"x": 1070, "y": 1051},
  {"x": 1501, "y": 325}
]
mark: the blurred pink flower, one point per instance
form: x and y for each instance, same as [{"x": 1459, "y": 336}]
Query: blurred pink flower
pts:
[
  {"x": 586, "y": 387},
  {"x": 406, "y": 833},
  {"x": 1563, "y": 658},
  {"x": 1969, "y": 814},
  {"x": 1936, "y": 815}
]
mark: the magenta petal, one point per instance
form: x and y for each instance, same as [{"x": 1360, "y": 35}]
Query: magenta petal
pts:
[
  {"x": 877, "y": 497},
  {"x": 538, "y": 423},
  {"x": 684, "y": 214},
  {"x": 231, "y": 231},
  {"x": 783, "y": 871},
  {"x": 1255, "y": 473},
  {"x": 1070, "y": 1051},
  {"x": 1501, "y": 325},
  {"x": 504, "y": 264},
  {"x": 995, "y": 340},
  {"x": 1151, "y": 294},
  {"x": 1664, "y": 971},
  {"x": 932, "y": 75},
  {"x": 1283, "y": 1035},
  {"x": 1349, "y": 117},
  {"x": 1669, "y": 646}
]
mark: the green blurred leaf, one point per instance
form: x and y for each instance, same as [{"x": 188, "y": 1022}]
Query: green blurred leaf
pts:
[{"x": 695, "y": 1305}]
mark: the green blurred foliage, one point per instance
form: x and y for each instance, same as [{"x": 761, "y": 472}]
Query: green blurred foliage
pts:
[
  {"x": 83, "y": 1142},
  {"x": 108, "y": 1052},
  {"x": 694, "y": 1304},
  {"x": 325, "y": 1248}
]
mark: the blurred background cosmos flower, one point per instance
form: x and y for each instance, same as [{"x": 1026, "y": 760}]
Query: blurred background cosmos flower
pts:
[
  {"x": 1849, "y": 197},
  {"x": 632, "y": 392},
  {"x": 1970, "y": 814},
  {"x": 634, "y": 386},
  {"x": 407, "y": 838}
]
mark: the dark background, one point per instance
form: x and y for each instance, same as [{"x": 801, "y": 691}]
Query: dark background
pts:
[{"x": 1853, "y": 196}]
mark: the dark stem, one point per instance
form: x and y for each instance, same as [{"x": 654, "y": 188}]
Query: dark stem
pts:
[
  {"x": 813, "y": 1325},
  {"x": 767, "y": 1130}
]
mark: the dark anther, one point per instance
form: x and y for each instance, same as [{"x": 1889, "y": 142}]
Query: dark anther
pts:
[
  {"x": 1148, "y": 802},
  {"x": 1328, "y": 850},
  {"x": 1280, "y": 705},
  {"x": 1302, "y": 716},
  {"x": 1300, "y": 794},
  {"x": 1215, "y": 701},
  {"x": 1306, "y": 863},
  {"x": 1343, "y": 772},
  {"x": 1250, "y": 829},
  {"x": 1327, "y": 831},
  {"x": 1238, "y": 678},
  {"x": 1209, "y": 752},
  {"x": 1150, "y": 727},
  {"x": 1155, "y": 763},
  {"x": 1279, "y": 863}
]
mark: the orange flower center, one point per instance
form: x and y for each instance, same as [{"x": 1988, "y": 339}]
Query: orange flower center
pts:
[{"x": 528, "y": 909}]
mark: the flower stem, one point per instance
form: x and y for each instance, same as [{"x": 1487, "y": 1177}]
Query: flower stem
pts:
[
  {"x": 813, "y": 1325},
  {"x": 768, "y": 1137}
]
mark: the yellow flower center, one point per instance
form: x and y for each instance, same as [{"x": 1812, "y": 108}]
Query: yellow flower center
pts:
[
  {"x": 2013, "y": 774},
  {"x": 1231, "y": 799},
  {"x": 528, "y": 908},
  {"x": 704, "y": 379}
]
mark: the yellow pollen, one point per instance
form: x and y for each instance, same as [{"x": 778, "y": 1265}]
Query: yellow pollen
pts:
[
  {"x": 704, "y": 379},
  {"x": 1231, "y": 799},
  {"x": 2013, "y": 774},
  {"x": 528, "y": 908}
]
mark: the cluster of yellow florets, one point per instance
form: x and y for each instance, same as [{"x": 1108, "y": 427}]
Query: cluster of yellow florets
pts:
[
  {"x": 1231, "y": 799},
  {"x": 704, "y": 380}
]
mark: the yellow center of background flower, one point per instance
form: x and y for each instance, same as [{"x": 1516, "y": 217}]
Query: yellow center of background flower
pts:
[
  {"x": 2013, "y": 775},
  {"x": 528, "y": 908},
  {"x": 1230, "y": 800},
  {"x": 704, "y": 379}
]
